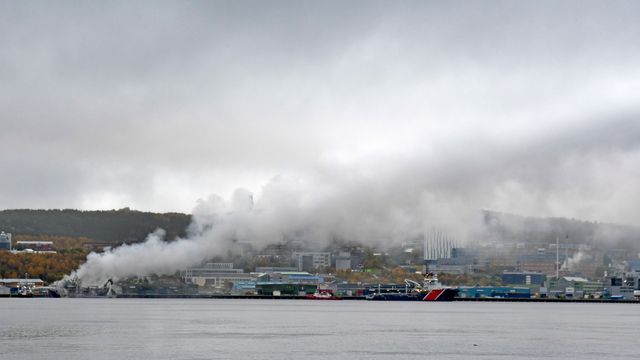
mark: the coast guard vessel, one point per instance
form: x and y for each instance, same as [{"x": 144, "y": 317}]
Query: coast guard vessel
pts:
[{"x": 430, "y": 290}]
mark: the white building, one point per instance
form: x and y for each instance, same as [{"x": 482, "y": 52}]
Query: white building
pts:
[{"x": 5, "y": 241}]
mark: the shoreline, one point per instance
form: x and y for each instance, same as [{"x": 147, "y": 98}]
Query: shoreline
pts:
[{"x": 346, "y": 298}]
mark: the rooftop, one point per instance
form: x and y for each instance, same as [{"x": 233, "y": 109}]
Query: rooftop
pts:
[{"x": 16, "y": 280}]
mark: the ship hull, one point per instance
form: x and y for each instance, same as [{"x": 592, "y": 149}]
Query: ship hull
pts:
[
  {"x": 396, "y": 297},
  {"x": 441, "y": 294}
]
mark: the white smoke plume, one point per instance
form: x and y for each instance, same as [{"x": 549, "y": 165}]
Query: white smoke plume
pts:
[
  {"x": 313, "y": 213},
  {"x": 574, "y": 261},
  {"x": 384, "y": 201}
]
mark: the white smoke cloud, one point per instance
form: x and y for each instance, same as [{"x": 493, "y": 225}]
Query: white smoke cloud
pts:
[
  {"x": 314, "y": 213},
  {"x": 384, "y": 201},
  {"x": 574, "y": 261}
]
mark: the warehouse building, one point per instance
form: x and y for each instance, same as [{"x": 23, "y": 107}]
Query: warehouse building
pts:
[
  {"x": 287, "y": 283},
  {"x": 217, "y": 275},
  {"x": 494, "y": 292},
  {"x": 280, "y": 288}
]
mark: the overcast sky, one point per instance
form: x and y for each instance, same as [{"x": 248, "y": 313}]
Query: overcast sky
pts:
[{"x": 529, "y": 107}]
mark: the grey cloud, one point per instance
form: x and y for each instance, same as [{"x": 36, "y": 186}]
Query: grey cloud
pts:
[{"x": 478, "y": 102}]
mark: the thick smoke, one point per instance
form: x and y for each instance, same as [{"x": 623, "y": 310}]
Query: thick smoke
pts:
[
  {"x": 312, "y": 214},
  {"x": 387, "y": 201}
]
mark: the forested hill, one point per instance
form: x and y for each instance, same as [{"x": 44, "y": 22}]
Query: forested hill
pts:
[
  {"x": 112, "y": 226},
  {"x": 515, "y": 228}
]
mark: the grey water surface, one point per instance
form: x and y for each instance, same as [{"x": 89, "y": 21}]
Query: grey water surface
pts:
[{"x": 295, "y": 329}]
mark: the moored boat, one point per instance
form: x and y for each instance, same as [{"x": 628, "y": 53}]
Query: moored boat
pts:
[
  {"x": 323, "y": 294},
  {"x": 430, "y": 290}
]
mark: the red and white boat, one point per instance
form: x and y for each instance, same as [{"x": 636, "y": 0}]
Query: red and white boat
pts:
[
  {"x": 430, "y": 290},
  {"x": 323, "y": 294}
]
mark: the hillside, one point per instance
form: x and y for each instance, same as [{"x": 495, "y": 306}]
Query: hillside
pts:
[
  {"x": 514, "y": 228},
  {"x": 112, "y": 226},
  {"x": 68, "y": 227}
]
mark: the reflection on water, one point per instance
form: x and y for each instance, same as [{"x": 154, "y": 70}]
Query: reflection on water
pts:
[{"x": 292, "y": 329}]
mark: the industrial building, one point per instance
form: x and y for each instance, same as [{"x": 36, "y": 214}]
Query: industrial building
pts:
[
  {"x": 277, "y": 289},
  {"x": 246, "y": 287},
  {"x": 308, "y": 261},
  {"x": 21, "y": 282},
  {"x": 272, "y": 269},
  {"x": 287, "y": 283},
  {"x": 623, "y": 286},
  {"x": 458, "y": 261},
  {"x": 574, "y": 287},
  {"x": 162, "y": 286},
  {"x": 494, "y": 292},
  {"x": 454, "y": 269},
  {"x": 215, "y": 275},
  {"x": 36, "y": 246},
  {"x": 523, "y": 278},
  {"x": 443, "y": 255},
  {"x": 438, "y": 245},
  {"x": 542, "y": 261},
  {"x": 291, "y": 277},
  {"x": 16, "y": 285},
  {"x": 343, "y": 260},
  {"x": 5, "y": 241}
]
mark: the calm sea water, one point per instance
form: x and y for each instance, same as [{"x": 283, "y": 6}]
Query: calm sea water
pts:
[{"x": 293, "y": 329}]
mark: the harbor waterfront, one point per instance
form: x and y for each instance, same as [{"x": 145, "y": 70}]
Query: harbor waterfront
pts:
[
  {"x": 45, "y": 328},
  {"x": 363, "y": 298}
]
